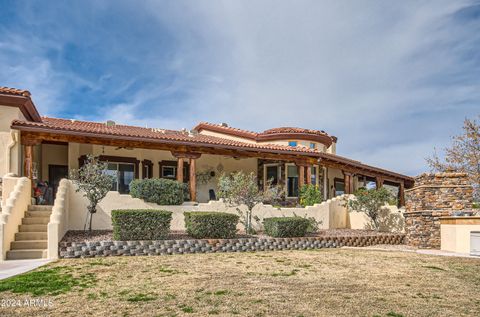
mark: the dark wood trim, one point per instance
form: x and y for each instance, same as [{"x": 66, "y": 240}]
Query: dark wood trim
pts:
[
  {"x": 55, "y": 143},
  {"x": 145, "y": 164},
  {"x": 186, "y": 155},
  {"x": 25, "y": 105},
  {"x": 324, "y": 139},
  {"x": 114, "y": 159}
]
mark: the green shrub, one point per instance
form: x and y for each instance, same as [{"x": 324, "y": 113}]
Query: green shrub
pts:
[
  {"x": 159, "y": 190},
  {"x": 283, "y": 227},
  {"x": 310, "y": 195},
  {"x": 220, "y": 225},
  {"x": 140, "y": 224},
  {"x": 476, "y": 205}
]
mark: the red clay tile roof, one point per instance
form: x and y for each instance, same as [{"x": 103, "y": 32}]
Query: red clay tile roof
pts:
[
  {"x": 146, "y": 134},
  {"x": 226, "y": 129},
  {"x": 97, "y": 129},
  {"x": 271, "y": 134},
  {"x": 14, "y": 91}
]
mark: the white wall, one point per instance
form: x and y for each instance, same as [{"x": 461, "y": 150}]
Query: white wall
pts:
[
  {"x": 331, "y": 213},
  {"x": 15, "y": 201},
  {"x": 9, "y": 141}
]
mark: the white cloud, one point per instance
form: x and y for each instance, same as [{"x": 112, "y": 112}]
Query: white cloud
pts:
[
  {"x": 387, "y": 78},
  {"x": 390, "y": 79}
]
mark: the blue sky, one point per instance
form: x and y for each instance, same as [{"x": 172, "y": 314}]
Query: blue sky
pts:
[{"x": 391, "y": 79}]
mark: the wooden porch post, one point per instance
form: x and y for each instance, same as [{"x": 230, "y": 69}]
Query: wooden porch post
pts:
[
  {"x": 378, "y": 182},
  {"x": 193, "y": 180},
  {"x": 28, "y": 161},
  {"x": 309, "y": 175},
  {"x": 401, "y": 194},
  {"x": 347, "y": 180},
  {"x": 180, "y": 170},
  {"x": 301, "y": 176}
]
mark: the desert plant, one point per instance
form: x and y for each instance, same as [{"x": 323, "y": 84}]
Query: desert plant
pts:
[
  {"x": 159, "y": 191},
  {"x": 310, "y": 195},
  {"x": 283, "y": 227},
  {"x": 313, "y": 224},
  {"x": 92, "y": 180},
  {"x": 141, "y": 224},
  {"x": 219, "y": 225},
  {"x": 370, "y": 202},
  {"x": 239, "y": 189}
]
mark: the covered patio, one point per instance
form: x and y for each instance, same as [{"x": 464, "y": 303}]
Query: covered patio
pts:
[{"x": 54, "y": 146}]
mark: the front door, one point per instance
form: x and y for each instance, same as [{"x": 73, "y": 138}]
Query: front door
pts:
[{"x": 55, "y": 175}]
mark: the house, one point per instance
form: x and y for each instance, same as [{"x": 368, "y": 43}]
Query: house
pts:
[{"x": 45, "y": 149}]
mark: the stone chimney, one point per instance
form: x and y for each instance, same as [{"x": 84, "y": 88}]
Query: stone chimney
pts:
[{"x": 434, "y": 196}]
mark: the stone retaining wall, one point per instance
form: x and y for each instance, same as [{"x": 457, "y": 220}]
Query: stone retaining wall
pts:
[
  {"x": 165, "y": 247},
  {"x": 434, "y": 196}
]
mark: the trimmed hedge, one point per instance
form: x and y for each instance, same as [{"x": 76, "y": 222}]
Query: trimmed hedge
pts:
[
  {"x": 140, "y": 224},
  {"x": 219, "y": 225},
  {"x": 159, "y": 190},
  {"x": 285, "y": 227}
]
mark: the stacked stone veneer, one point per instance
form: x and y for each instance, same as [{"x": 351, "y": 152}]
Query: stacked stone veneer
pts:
[
  {"x": 165, "y": 247},
  {"x": 434, "y": 196}
]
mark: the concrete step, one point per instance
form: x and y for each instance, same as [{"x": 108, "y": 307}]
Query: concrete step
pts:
[
  {"x": 28, "y": 245},
  {"x": 26, "y": 254},
  {"x": 35, "y": 220},
  {"x": 32, "y": 228},
  {"x": 40, "y": 208},
  {"x": 19, "y": 236},
  {"x": 38, "y": 213}
]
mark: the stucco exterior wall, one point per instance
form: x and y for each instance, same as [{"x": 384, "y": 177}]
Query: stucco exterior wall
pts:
[
  {"x": 226, "y": 136},
  {"x": 10, "y": 149},
  {"x": 456, "y": 237},
  {"x": 52, "y": 154},
  {"x": 331, "y": 175}
]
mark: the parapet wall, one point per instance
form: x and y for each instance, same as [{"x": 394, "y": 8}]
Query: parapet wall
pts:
[{"x": 434, "y": 196}]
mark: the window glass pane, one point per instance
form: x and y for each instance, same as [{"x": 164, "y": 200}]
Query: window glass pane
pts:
[
  {"x": 126, "y": 174},
  {"x": 292, "y": 143},
  {"x": 314, "y": 175},
  {"x": 339, "y": 188},
  {"x": 292, "y": 181},
  {"x": 272, "y": 174},
  {"x": 313, "y": 145},
  {"x": 169, "y": 171},
  {"x": 112, "y": 170}
]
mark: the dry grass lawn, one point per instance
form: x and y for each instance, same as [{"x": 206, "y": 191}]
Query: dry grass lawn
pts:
[{"x": 335, "y": 282}]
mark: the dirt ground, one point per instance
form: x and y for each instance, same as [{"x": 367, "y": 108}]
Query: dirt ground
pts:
[{"x": 327, "y": 282}]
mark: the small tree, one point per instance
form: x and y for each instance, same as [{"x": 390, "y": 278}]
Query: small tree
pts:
[
  {"x": 462, "y": 155},
  {"x": 92, "y": 180},
  {"x": 370, "y": 202},
  {"x": 242, "y": 189},
  {"x": 310, "y": 195}
]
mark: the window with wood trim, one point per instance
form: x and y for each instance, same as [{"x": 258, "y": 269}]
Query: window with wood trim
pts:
[
  {"x": 168, "y": 169},
  {"x": 147, "y": 169},
  {"x": 339, "y": 186},
  {"x": 124, "y": 168}
]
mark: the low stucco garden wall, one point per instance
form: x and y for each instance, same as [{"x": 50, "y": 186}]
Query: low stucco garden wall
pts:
[{"x": 331, "y": 214}]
